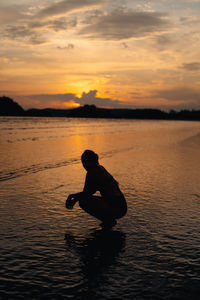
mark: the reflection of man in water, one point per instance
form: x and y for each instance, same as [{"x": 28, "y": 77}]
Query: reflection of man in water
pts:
[
  {"x": 98, "y": 254},
  {"x": 108, "y": 207}
]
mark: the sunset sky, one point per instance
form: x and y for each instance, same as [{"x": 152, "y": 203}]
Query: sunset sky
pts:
[{"x": 116, "y": 53}]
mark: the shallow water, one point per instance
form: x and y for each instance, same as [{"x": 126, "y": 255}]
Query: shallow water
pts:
[{"x": 47, "y": 252}]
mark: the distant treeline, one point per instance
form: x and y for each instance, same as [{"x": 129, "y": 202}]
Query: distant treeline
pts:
[{"x": 10, "y": 108}]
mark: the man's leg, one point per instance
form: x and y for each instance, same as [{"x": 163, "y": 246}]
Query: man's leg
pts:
[{"x": 97, "y": 207}]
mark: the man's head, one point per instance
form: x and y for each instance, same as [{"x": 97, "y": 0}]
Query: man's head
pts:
[{"x": 89, "y": 159}]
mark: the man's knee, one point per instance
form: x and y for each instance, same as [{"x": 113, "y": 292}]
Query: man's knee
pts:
[{"x": 82, "y": 202}]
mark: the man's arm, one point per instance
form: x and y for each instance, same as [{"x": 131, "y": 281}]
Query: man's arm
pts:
[
  {"x": 88, "y": 190},
  {"x": 72, "y": 199},
  {"x": 90, "y": 184}
]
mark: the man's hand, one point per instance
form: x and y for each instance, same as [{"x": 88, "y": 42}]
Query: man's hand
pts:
[{"x": 70, "y": 202}]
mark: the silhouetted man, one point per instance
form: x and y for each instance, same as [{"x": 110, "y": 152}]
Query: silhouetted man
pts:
[{"x": 108, "y": 207}]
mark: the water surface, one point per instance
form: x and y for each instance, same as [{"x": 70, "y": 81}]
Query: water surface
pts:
[{"x": 48, "y": 252}]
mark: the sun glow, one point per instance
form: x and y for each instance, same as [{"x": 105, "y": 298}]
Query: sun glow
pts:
[
  {"x": 80, "y": 86},
  {"x": 71, "y": 104}
]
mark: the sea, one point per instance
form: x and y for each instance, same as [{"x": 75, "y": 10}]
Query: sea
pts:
[{"x": 49, "y": 252}]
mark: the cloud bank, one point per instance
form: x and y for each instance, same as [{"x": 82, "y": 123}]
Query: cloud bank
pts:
[
  {"x": 180, "y": 97},
  {"x": 91, "y": 98},
  {"x": 123, "y": 23},
  {"x": 105, "y": 24},
  {"x": 32, "y": 28},
  {"x": 193, "y": 66},
  {"x": 66, "y": 6},
  {"x": 183, "y": 94},
  {"x": 146, "y": 53},
  {"x": 67, "y": 100}
]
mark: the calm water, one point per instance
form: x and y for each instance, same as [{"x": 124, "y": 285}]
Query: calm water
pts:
[{"x": 47, "y": 252}]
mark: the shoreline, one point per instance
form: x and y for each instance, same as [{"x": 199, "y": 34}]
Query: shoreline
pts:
[{"x": 10, "y": 108}]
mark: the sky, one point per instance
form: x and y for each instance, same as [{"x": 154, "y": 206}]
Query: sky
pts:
[{"x": 121, "y": 54}]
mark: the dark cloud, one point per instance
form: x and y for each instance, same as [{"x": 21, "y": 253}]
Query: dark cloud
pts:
[
  {"x": 31, "y": 28},
  {"x": 124, "y": 45},
  {"x": 60, "y": 24},
  {"x": 163, "y": 40},
  {"x": 48, "y": 100},
  {"x": 119, "y": 24},
  {"x": 193, "y": 66},
  {"x": 24, "y": 33},
  {"x": 45, "y": 98},
  {"x": 66, "y": 6},
  {"x": 68, "y": 47},
  {"x": 53, "y": 25},
  {"x": 123, "y": 24},
  {"x": 31, "y": 32},
  {"x": 184, "y": 97},
  {"x": 91, "y": 98},
  {"x": 179, "y": 94}
]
